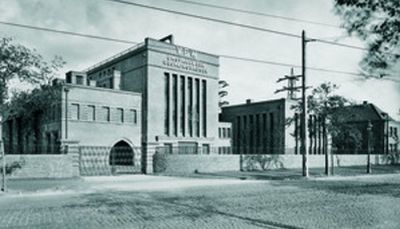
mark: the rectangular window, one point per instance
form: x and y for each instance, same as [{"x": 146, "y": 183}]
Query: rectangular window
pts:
[
  {"x": 204, "y": 107},
  {"x": 168, "y": 148},
  {"x": 272, "y": 136},
  {"x": 175, "y": 104},
  {"x": 238, "y": 134},
  {"x": 167, "y": 104},
  {"x": 48, "y": 142},
  {"x": 190, "y": 106},
  {"x": 224, "y": 132},
  {"x": 79, "y": 79},
  {"x": 251, "y": 134},
  {"x": 120, "y": 112},
  {"x": 106, "y": 114},
  {"x": 197, "y": 109},
  {"x": 187, "y": 148},
  {"x": 245, "y": 134},
  {"x": 264, "y": 131},
  {"x": 258, "y": 135},
  {"x": 91, "y": 112},
  {"x": 75, "y": 112},
  {"x": 182, "y": 105},
  {"x": 220, "y": 132},
  {"x": 229, "y": 132},
  {"x": 132, "y": 116},
  {"x": 206, "y": 149}
]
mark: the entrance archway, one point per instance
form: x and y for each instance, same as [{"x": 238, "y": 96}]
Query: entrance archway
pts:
[{"x": 122, "y": 154}]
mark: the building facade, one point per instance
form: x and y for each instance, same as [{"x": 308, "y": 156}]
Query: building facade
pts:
[
  {"x": 156, "y": 96},
  {"x": 261, "y": 127},
  {"x": 383, "y": 138}
]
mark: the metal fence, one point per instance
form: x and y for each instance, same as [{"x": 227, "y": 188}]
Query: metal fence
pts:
[{"x": 100, "y": 160}]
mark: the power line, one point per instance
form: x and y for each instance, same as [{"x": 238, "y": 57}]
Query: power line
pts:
[
  {"x": 259, "y": 13},
  {"x": 68, "y": 32},
  {"x": 242, "y": 25},
  {"x": 64, "y": 32},
  {"x": 208, "y": 18}
]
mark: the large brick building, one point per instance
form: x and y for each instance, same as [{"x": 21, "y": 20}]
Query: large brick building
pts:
[{"x": 154, "y": 95}]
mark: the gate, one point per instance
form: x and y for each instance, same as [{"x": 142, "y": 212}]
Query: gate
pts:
[{"x": 100, "y": 160}]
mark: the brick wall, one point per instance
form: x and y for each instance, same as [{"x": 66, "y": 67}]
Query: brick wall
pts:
[
  {"x": 214, "y": 163},
  {"x": 44, "y": 166}
]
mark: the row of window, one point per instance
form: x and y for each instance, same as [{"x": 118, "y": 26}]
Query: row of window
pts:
[
  {"x": 185, "y": 106},
  {"x": 224, "y": 150},
  {"x": 103, "y": 113},
  {"x": 256, "y": 130},
  {"x": 224, "y": 132},
  {"x": 393, "y": 132},
  {"x": 186, "y": 148}
]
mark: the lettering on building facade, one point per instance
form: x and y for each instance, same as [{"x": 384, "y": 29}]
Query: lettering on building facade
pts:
[{"x": 188, "y": 62}]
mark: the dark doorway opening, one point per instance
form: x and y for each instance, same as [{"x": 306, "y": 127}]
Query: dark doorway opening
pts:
[{"x": 122, "y": 154}]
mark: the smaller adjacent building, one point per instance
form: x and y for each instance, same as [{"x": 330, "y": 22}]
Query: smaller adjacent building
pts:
[
  {"x": 224, "y": 140},
  {"x": 100, "y": 120},
  {"x": 261, "y": 127},
  {"x": 384, "y": 137}
]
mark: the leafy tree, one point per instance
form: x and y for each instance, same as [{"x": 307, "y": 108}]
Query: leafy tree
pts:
[
  {"x": 24, "y": 64},
  {"x": 323, "y": 102},
  {"x": 377, "y": 22},
  {"x": 222, "y": 93}
]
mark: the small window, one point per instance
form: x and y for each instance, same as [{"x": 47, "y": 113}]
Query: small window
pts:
[
  {"x": 75, "y": 111},
  {"x": 79, "y": 79},
  {"x": 206, "y": 149},
  {"x": 106, "y": 114},
  {"x": 91, "y": 113},
  {"x": 134, "y": 116},
  {"x": 120, "y": 112}
]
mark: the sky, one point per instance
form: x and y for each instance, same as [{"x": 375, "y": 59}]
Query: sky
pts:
[{"x": 247, "y": 80}]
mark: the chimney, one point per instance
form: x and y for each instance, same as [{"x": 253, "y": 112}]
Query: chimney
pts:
[
  {"x": 74, "y": 77},
  {"x": 248, "y": 101},
  {"x": 365, "y": 103}
]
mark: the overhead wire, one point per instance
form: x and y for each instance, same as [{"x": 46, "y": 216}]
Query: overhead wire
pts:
[
  {"x": 294, "y": 19},
  {"x": 262, "y": 29},
  {"x": 90, "y": 36}
]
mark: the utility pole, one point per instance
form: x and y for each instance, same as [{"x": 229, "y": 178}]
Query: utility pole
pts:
[
  {"x": 303, "y": 133},
  {"x": 302, "y": 88}
]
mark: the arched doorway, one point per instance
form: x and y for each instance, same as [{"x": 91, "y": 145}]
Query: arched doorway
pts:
[{"x": 121, "y": 157}]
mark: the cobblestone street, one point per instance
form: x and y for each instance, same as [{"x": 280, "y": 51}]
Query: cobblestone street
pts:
[{"x": 168, "y": 202}]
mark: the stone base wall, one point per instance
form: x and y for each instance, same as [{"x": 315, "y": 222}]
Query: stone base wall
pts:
[
  {"x": 191, "y": 163},
  {"x": 43, "y": 166},
  {"x": 164, "y": 163}
]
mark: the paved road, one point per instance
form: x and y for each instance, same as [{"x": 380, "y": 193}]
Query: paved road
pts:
[{"x": 167, "y": 202}]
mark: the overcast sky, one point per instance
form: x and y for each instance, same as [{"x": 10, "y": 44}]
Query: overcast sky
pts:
[{"x": 247, "y": 80}]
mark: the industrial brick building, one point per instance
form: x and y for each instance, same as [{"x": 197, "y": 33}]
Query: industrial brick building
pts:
[
  {"x": 154, "y": 95},
  {"x": 260, "y": 127}
]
